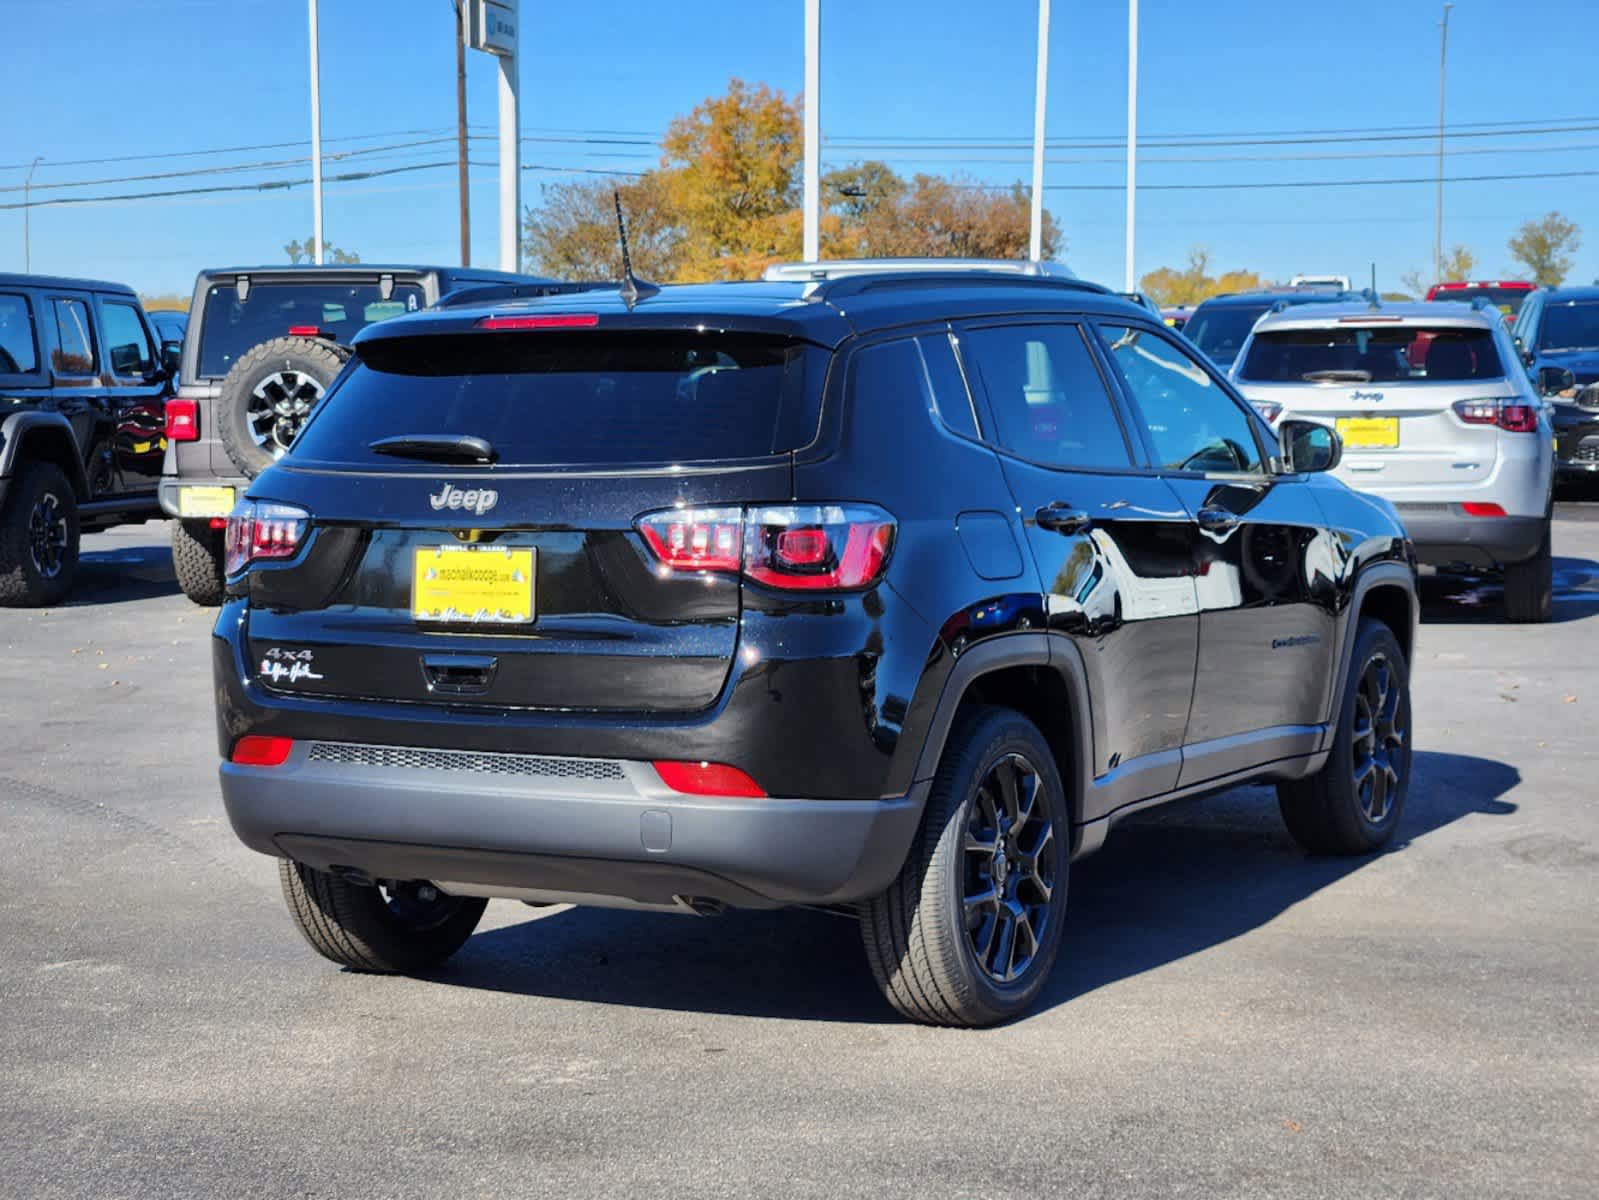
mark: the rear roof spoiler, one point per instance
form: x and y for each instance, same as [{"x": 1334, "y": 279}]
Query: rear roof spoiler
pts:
[{"x": 487, "y": 293}]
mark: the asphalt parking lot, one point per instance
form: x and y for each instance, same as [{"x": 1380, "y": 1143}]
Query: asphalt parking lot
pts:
[{"x": 1228, "y": 1018}]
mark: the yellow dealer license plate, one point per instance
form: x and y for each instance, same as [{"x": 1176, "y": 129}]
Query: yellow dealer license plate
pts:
[
  {"x": 1381, "y": 433},
  {"x": 472, "y": 585},
  {"x": 205, "y": 501}
]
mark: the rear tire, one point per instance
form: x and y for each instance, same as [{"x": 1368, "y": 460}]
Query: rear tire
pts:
[
  {"x": 1353, "y": 804},
  {"x": 396, "y": 929},
  {"x": 268, "y": 396},
  {"x": 38, "y": 538},
  {"x": 1530, "y": 585},
  {"x": 197, "y": 561},
  {"x": 967, "y": 934}
]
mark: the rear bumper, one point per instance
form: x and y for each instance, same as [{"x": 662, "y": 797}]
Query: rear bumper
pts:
[
  {"x": 483, "y": 820},
  {"x": 1444, "y": 536}
]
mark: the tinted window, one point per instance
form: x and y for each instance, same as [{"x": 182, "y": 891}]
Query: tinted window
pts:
[
  {"x": 74, "y": 352},
  {"x": 949, "y": 387},
  {"x": 1372, "y": 354},
  {"x": 127, "y": 344},
  {"x": 587, "y": 399},
  {"x": 231, "y": 328},
  {"x": 1506, "y": 300},
  {"x": 1194, "y": 424},
  {"x": 1048, "y": 399},
  {"x": 18, "y": 354},
  {"x": 1570, "y": 327},
  {"x": 908, "y": 366},
  {"x": 1220, "y": 330}
]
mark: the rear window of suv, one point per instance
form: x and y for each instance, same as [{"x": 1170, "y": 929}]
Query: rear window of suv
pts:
[
  {"x": 1372, "y": 354},
  {"x": 1570, "y": 326},
  {"x": 230, "y": 328},
  {"x": 587, "y": 399}
]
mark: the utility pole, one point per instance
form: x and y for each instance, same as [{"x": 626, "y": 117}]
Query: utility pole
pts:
[
  {"x": 1130, "y": 276},
  {"x": 27, "y": 213},
  {"x": 811, "y": 250},
  {"x": 460, "y": 130},
  {"x": 1035, "y": 236},
  {"x": 1438, "y": 216},
  {"x": 316, "y": 141}
]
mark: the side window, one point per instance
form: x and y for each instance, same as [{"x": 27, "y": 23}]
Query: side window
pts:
[
  {"x": 74, "y": 352},
  {"x": 19, "y": 355},
  {"x": 925, "y": 366},
  {"x": 1049, "y": 401},
  {"x": 1193, "y": 423},
  {"x": 127, "y": 344}
]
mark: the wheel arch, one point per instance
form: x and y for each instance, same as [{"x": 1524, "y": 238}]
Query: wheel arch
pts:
[{"x": 41, "y": 437}]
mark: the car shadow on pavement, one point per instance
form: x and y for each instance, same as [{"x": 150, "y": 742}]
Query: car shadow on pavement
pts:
[
  {"x": 1480, "y": 600},
  {"x": 133, "y": 572},
  {"x": 1168, "y": 884}
]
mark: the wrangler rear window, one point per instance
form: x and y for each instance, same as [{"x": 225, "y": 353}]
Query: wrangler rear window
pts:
[
  {"x": 1372, "y": 354},
  {"x": 230, "y": 328},
  {"x": 588, "y": 399}
]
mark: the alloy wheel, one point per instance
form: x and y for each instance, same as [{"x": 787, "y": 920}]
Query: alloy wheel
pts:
[
  {"x": 1378, "y": 739},
  {"x": 278, "y": 408},
  {"x": 1010, "y": 863},
  {"x": 48, "y": 536}
]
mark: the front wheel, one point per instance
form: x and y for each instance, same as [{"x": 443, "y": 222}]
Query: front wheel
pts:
[
  {"x": 968, "y": 932},
  {"x": 1530, "y": 585},
  {"x": 394, "y": 927},
  {"x": 1352, "y": 805},
  {"x": 38, "y": 538}
]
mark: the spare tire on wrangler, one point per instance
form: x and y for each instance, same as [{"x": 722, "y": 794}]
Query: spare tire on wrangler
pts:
[{"x": 269, "y": 394}]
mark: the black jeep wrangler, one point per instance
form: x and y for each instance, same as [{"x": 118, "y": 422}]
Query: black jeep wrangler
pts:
[
  {"x": 84, "y": 383},
  {"x": 263, "y": 344}
]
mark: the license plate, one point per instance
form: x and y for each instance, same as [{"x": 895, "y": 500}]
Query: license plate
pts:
[
  {"x": 1372, "y": 432},
  {"x": 472, "y": 585},
  {"x": 205, "y": 501}
]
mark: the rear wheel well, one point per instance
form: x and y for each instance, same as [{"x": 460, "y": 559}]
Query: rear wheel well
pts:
[
  {"x": 51, "y": 446},
  {"x": 1390, "y": 604},
  {"x": 1040, "y": 695}
]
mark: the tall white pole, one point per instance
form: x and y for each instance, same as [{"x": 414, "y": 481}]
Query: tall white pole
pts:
[
  {"x": 813, "y": 132},
  {"x": 1438, "y": 212},
  {"x": 510, "y": 161},
  {"x": 1131, "y": 276},
  {"x": 1035, "y": 237},
  {"x": 316, "y": 141}
]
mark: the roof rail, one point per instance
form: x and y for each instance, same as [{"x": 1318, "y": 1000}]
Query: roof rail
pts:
[
  {"x": 484, "y": 293},
  {"x": 838, "y": 268},
  {"x": 857, "y": 285}
]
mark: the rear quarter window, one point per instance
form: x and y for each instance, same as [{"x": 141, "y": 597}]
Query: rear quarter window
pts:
[{"x": 593, "y": 399}]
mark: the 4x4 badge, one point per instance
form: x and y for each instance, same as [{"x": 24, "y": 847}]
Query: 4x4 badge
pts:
[{"x": 473, "y": 500}]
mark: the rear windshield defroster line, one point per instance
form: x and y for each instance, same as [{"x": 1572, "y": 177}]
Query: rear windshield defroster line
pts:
[{"x": 601, "y": 398}]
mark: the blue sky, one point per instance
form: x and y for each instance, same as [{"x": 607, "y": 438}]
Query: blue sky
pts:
[{"x": 105, "y": 78}]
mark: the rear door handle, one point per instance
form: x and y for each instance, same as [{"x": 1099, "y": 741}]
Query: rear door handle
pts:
[
  {"x": 1062, "y": 518},
  {"x": 1217, "y": 520},
  {"x": 459, "y": 674}
]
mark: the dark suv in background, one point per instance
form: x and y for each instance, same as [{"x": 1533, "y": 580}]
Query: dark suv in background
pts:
[
  {"x": 1557, "y": 334},
  {"x": 1220, "y": 325},
  {"x": 889, "y": 592},
  {"x": 83, "y": 387},
  {"x": 263, "y": 344}
]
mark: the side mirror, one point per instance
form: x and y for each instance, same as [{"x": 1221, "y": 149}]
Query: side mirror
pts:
[
  {"x": 171, "y": 356},
  {"x": 1307, "y": 447},
  {"x": 1554, "y": 380}
]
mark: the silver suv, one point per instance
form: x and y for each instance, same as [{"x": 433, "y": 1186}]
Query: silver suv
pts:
[{"x": 1437, "y": 416}]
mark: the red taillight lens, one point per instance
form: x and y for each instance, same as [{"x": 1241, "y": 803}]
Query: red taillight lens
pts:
[
  {"x": 1509, "y": 415},
  {"x": 1476, "y": 508},
  {"x": 258, "y": 750},
  {"x": 305, "y": 331},
  {"x": 260, "y": 529},
  {"x": 796, "y": 547},
  {"x": 183, "y": 420},
  {"x": 547, "y": 321},
  {"x": 707, "y": 779}
]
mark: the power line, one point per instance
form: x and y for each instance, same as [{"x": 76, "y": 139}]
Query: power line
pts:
[{"x": 1310, "y": 183}]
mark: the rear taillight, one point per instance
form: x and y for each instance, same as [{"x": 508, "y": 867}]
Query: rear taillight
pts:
[
  {"x": 183, "y": 420},
  {"x": 707, "y": 779},
  {"x": 1509, "y": 415},
  {"x": 259, "y": 750},
  {"x": 1268, "y": 410},
  {"x": 795, "y": 547},
  {"x": 262, "y": 530}
]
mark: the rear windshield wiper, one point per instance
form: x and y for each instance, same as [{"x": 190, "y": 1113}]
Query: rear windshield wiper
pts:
[
  {"x": 436, "y": 447},
  {"x": 1336, "y": 376}
]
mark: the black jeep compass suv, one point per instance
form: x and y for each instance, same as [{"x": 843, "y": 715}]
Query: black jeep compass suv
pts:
[{"x": 888, "y": 591}]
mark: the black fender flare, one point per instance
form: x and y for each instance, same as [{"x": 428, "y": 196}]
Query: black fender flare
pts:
[
  {"x": 1387, "y": 574},
  {"x": 21, "y": 429}
]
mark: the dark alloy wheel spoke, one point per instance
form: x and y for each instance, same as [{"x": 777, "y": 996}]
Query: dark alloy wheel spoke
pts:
[
  {"x": 48, "y": 536},
  {"x": 1010, "y": 863},
  {"x": 1377, "y": 740}
]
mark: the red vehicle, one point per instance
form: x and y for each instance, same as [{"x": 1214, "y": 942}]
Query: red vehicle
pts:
[{"x": 1506, "y": 294}]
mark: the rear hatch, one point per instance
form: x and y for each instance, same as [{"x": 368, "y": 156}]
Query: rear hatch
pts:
[
  {"x": 509, "y": 571},
  {"x": 1394, "y": 391}
]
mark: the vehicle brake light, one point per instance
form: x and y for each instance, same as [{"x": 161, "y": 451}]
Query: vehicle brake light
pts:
[
  {"x": 1476, "y": 508},
  {"x": 1509, "y": 415},
  {"x": 183, "y": 420},
  {"x": 263, "y": 530},
  {"x": 794, "y": 547},
  {"x": 305, "y": 331},
  {"x": 707, "y": 779},
  {"x": 260, "y": 750},
  {"x": 546, "y": 321}
]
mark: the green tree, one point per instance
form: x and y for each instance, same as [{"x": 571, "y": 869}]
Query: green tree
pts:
[
  {"x": 305, "y": 251},
  {"x": 573, "y": 234},
  {"x": 1545, "y": 247},
  {"x": 1459, "y": 263}
]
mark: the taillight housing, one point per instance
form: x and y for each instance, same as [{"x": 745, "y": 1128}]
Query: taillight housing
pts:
[
  {"x": 262, "y": 530},
  {"x": 791, "y": 547},
  {"x": 1513, "y": 416},
  {"x": 183, "y": 420}
]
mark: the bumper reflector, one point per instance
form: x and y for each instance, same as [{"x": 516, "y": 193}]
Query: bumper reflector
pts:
[
  {"x": 707, "y": 779},
  {"x": 258, "y": 750}
]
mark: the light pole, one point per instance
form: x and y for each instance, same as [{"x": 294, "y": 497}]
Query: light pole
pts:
[
  {"x": 1035, "y": 236},
  {"x": 460, "y": 131},
  {"x": 811, "y": 183},
  {"x": 1131, "y": 278},
  {"x": 1438, "y": 216},
  {"x": 27, "y": 211},
  {"x": 316, "y": 141}
]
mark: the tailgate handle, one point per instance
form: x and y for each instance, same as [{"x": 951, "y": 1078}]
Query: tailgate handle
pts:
[{"x": 459, "y": 674}]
